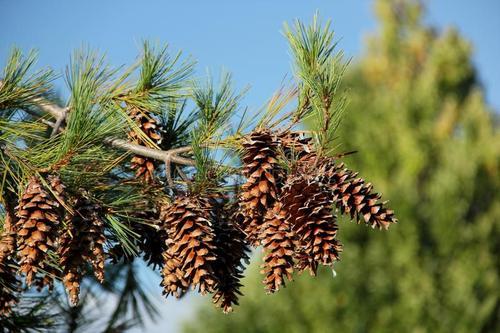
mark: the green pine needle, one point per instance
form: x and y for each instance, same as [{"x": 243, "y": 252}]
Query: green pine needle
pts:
[
  {"x": 319, "y": 69},
  {"x": 19, "y": 85}
]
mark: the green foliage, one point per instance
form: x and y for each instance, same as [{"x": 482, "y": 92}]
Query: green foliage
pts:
[
  {"x": 319, "y": 70},
  {"x": 42, "y": 136},
  {"x": 162, "y": 81},
  {"x": 20, "y": 86},
  {"x": 91, "y": 118},
  {"x": 217, "y": 106},
  {"x": 177, "y": 124},
  {"x": 428, "y": 141},
  {"x": 161, "y": 78}
]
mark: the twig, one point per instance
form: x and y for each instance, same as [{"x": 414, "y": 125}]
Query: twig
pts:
[
  {"x": 182, "y": 174},
  {"x": 54, "y": 110},
  {"x": 59, "y": 122},
  {"x": 157, "y": 154},
  {"x": 168, "y": 172}
]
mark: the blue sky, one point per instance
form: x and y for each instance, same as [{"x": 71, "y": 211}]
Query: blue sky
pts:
[{"x": 242, "y": 37}]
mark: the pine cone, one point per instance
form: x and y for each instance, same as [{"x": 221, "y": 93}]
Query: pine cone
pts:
[
  {"x": 308, "y": 206},
  {"x": 144, "y": 166},
  {"x": 57, "y": 186},
  {"x": 39, "y": 215},
  {"x": 277, "y": 241},
  {"x": 251, "y": 224},
  {"x": 151, "y": 238},
  {"x": 8, "y": 238},
  {"x": 232, "y": 252},
  {"x": 191, "y": 254},
  {"x": 260, "y": 190},
  {"x": 355, "y": 197},
  {"x": 81, "y": 244},
  {"x": 47, "y": 279}
]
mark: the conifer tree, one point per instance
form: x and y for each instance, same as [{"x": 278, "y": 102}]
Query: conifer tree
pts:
[{"x": 427, "y": 139}]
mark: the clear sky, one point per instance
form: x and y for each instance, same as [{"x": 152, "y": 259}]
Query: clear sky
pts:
[{"x": 243, "y": 37}]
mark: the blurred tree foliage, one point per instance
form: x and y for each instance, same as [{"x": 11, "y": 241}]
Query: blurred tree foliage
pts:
[{"x": 432, "y": 146}]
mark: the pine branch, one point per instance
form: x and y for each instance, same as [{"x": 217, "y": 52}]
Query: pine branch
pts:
[
  {"x": 161, "y": 155},
  {"x": 59, "y": 122},
  {"x": 46, "y": 106},
  {"x": 319, "y": 69},
  {"x": 157, "y": 154}
]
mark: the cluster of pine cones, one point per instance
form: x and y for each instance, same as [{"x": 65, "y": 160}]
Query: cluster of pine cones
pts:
[
  {"x": 42, "y": 230},
  {"x": 202, "y": 240},
  {"x": 45, "y": 240},
  {"x": 289, "y": 211},
  {"x": 205, "y": 248},
  {"x": 286, "y": 206}
]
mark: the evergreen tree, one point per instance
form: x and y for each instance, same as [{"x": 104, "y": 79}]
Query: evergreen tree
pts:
[
  {"x": 425, "y": 136},
  {"x": 145, "y": 163}
]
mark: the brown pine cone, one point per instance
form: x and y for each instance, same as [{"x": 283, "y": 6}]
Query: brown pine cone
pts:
[
  {"x": 8, "y": 238},
  {"x": 8, "y": 280},
  {"x": 295, "y": 145},
  {"x": 39, "y": 217},
  {"x": 82, "y": 243},
  {"x": 279, "y": 248},
  {"x": 144, "y": 166},
  {"x": 260, "y": 167},
  {"x": 308, "y": 205},
  {"x": 9, "y": 286},
  {"x": 173, "y": 280},
  {"x": 191, "y": 253},
  {"x": 151, "y": 238},
  {"x": 232, "y": 253},
  {"x": 355, "y": 197}
]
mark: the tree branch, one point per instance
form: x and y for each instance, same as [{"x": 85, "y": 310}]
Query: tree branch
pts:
[
  {"x": 54, "y": 110},
  {"x": 59, "y": 121},
  {"x": 168, "y": 172},
  {"x": 162, "y": 155}
]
